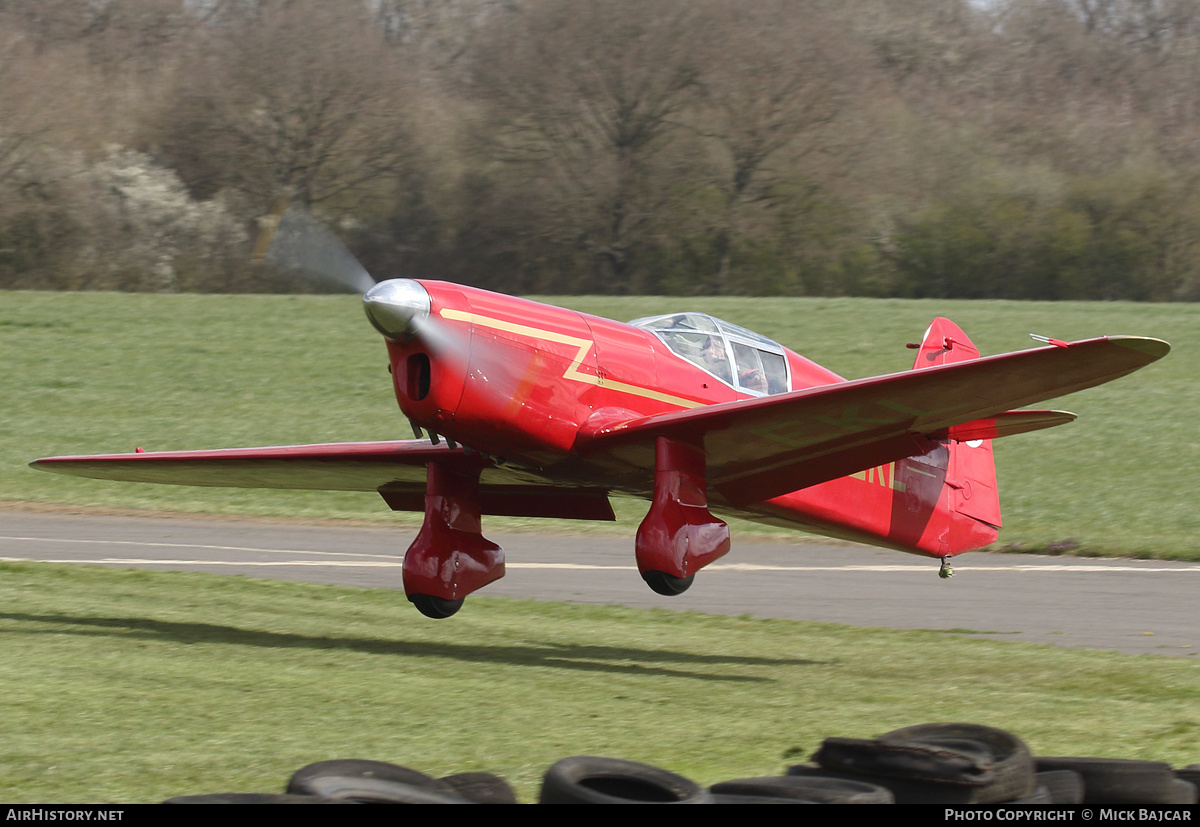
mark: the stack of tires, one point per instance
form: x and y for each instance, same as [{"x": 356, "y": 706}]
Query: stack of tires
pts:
[
  {"x": 968, "y": 764},
  {"x": 943, "y": 764}
]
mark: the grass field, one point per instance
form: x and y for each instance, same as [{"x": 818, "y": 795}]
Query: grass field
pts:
[
  {"x": 101, "y": 372},
  {"x": 134, "y": 686}
]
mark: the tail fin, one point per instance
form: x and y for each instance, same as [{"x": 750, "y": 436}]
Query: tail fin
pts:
[
  {"x": 943, "y": 344},
  {"x": 971, "y": 496}
]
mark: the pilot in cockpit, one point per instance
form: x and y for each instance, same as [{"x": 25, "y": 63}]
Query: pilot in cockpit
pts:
[{"x": 714, "y": 357}]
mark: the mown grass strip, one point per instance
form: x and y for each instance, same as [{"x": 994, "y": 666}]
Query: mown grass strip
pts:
[
  {"x": 134, "y": 686},
  {"x": 100, "y": 372}
]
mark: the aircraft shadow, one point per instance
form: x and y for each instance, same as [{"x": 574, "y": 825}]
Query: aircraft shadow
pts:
[{"x": 586, "y": 658}]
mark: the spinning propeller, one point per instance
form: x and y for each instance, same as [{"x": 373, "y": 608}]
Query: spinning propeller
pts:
[{"x": 294, "y": 241}]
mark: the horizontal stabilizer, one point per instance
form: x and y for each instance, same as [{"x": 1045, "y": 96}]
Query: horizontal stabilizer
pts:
[{"x": 1008, "y": 423}]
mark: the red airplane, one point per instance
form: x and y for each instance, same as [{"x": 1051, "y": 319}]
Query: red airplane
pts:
[{"x": 538, "y": 411}]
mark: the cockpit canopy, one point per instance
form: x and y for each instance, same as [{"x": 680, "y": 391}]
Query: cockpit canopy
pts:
[{"x": 737, "y": 356}]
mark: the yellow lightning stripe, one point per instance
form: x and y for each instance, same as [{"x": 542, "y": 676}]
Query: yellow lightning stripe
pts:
[
  {"x": 572, "y": 372},
  {"x": 884, "y": 475}
]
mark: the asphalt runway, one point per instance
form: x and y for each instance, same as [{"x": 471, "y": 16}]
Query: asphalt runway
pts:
[{"x": 1132, "y": 606}]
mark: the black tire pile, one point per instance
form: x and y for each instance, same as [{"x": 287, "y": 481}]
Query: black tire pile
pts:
[{"x": 943, "y": 764}]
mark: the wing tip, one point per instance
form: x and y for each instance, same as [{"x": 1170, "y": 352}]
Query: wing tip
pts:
[
  {"x": 1151, "y": 347},
  {"x": 59, "y": 465}
]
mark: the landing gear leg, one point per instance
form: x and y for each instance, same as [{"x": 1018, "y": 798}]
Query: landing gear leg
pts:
[
  {"x": 450, "y": 557},
  {"x": 945, "y": 572},
  {"x": 679, "y": 536}
]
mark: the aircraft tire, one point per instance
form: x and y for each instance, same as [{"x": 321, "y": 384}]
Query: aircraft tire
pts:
[
  {"x": 435, "y": 607},
  {"x": 593, "y": 780},
  {"x": 666, "y": 584}
]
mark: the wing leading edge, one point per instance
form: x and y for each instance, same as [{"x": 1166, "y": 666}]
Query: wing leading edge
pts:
[{"x": 397, "y": 470}]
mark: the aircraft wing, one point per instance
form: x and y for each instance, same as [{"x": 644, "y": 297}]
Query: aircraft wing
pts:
[
  {"x": 756, "y": 449},
  {"x": 395, "y": 469},
  {"x": 763, "y": 448}
]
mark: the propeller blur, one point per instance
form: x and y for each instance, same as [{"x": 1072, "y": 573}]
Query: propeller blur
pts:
[{"x": 294, "y": 241}]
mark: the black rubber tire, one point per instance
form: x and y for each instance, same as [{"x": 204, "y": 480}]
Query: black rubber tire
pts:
[
  {"x": 1065, "y": 787},
  {"x": 904, "y": 790},
  {"x": 1011, "y": 763},
  {"x": 1190, "y": 774},
  {"x": 667, "y": 584},
  {"x": 1040, "y": 796},
  {"x": 1118, "y": 780},
  {"x": 379, "y": 791},
  {"x": 938, "y": 763},
  {"x": 301, "y": 780},
  {"x": 435, "y": 607},
  {"x": 481, "y": 787},
  {"x": 250, "y": 798},
  {"x": 1184, "y": 792},
  {"x": 813, "y": 789},
  {"x": 730, "y": 798},
  {"x": 592, "y": 780},
  {"x": 908, "y": 760}
]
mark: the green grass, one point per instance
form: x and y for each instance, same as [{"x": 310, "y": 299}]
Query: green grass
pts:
[
  {"x": 134, "y": 686},
  {"x": 101, "y": 372}
]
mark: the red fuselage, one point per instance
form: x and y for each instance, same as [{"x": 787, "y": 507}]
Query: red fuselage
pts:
[{"x": 528, "y": 383}]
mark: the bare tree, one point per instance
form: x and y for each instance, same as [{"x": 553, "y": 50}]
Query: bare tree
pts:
[
  {"x": 774, "y": 75},
  {"x": 440, "y": 33},
  {"x": 306, "y": 98},
  {"x": 584, "y": 97},
  {"x": 22, "y": 119}
]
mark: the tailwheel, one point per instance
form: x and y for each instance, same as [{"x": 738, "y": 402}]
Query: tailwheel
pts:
[
  {"x": 435, "y": 607},
  {"x": 667, "y": 584}
]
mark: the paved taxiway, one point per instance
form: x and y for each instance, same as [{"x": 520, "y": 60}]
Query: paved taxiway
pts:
[{"x": 1134, "y": 606}]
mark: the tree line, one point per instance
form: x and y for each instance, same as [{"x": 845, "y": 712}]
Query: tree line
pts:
[{"x": 1021, "y": 149}]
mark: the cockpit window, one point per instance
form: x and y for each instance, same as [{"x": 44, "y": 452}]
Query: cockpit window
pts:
[
  {"x": 735, "y": 355},
  {"x": 678, "y": 322},
  {"x": 775, "y": 366}
]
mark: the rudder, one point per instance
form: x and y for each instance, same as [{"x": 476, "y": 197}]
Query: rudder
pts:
[{"x": 972, "y": 495}]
